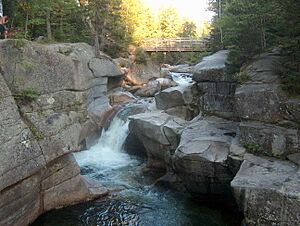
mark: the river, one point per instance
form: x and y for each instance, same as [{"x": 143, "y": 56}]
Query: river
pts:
[{"x": 134, "y": 199}]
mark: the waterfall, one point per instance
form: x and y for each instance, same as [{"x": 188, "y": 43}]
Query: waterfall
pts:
[
  {"x": 182, "y": 79},
  {"x": 107, "y": 154}
]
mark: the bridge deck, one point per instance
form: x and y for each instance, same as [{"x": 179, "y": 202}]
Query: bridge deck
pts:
[{"x": 175, "y": 45}]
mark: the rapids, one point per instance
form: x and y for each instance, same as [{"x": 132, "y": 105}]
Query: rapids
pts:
[{"x": 134, "y": 199}]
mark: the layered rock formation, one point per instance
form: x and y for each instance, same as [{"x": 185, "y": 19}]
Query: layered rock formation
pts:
[
  {"x": 260, "y": 119},
  {"x": 216, "y": 90},
  {"x": 267, "y": 191},
  {"x": 203, "y": 158},
  {"x": 266, "y": 188},
  {"x": 179, "y": 101},
  {"x": 52, "y": 97}
]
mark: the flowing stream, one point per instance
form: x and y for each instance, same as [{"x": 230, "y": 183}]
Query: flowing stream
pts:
[
  {"x": 134, "y": 200},
  {"x": 182, "y": 78}
]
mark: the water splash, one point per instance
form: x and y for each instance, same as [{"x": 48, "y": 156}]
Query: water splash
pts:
[
  {"x": 182, "y": 78},
  {"x": 108, "y": 153}
]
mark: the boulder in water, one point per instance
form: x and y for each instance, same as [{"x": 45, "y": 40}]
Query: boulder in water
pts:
[
  {"x": 202, "y": 158},
  {"x": 182, "y": 68},
  {"x": 159, "y": 133},
  {"x": 180, "y": 101}
]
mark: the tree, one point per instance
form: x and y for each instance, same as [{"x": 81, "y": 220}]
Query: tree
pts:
[
  {"x": 253, "y": 27},
  {"x": 106, "y": 25},
  {"x": 188, "y": 29},
  {"x": 244, "y": 26},
  {"x": 170, "y": 22},
  {"x": 287, "y": 30}
]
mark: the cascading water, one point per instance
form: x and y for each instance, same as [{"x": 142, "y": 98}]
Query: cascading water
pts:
[
  {"x": 182, "y": 78},
  {"x": 135, "y": 200},
  {"x": 107, "y": 153}
]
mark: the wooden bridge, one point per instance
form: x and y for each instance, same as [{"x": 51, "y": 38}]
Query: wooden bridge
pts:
[{"x": 175, "y": 45}]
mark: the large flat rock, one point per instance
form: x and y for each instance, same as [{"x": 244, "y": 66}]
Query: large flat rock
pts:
[
  {"x": 20, "y": 154},
  {"x": 211, "y": 68},
  {"x": 159, "y": 133},
  {"x": 268, "y": 192},
  {"x": 201, "y": 157},
  {"x": 175, "y": 96},
  {"x": 262, "y": 68}
]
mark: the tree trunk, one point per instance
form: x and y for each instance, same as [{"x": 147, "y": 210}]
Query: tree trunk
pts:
[
  {"x": 263, "y": 34},
  {"x": 48, "y": 24},
  {"x": 61, "y": 26},
  {"x": 99, "y": 24},
  {"x": 26, "y": 25},
  {"x": 221, "y": 30},
  {"x": 97, "y": 46}
]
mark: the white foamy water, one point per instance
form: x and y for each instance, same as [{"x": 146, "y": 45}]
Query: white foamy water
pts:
[
  {"x": 107, "y": 153},
  {"x": 182, "y": 78}
]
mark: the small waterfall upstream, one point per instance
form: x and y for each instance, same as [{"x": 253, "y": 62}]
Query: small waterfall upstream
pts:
[
  {"x": 134, "y": 201},
  {"x": 182, "y": 78}
]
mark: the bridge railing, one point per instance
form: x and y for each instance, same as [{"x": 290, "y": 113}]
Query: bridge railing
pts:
[{"x": 175, "y": 45}]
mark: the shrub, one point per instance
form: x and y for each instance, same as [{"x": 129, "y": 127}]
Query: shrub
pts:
[
  {"x": 26, "y": 96},
  {"x": 141, "y": 56},
  {"x": 241, "y": 77}
]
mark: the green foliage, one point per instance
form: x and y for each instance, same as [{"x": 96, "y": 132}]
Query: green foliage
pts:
[
  {"x": 252, "y": 147},
  {"x": 141, "y": 56},
  {"x": 188, "y": 29},
  {"x": 169, "y": 22},
  {"x": 26, "y": 96},
  {"x": 248, "y": 28},
  {"x": 110, "y": 25},
  {"x": 20, "y": 43},
  {"x": 37, "y": 135},
  {"x": 241, "y": 77}
]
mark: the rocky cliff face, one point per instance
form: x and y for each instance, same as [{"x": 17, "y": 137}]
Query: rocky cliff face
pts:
[
  {"x": 246, "y": 139},
  {"x": 52, "y": 98}
]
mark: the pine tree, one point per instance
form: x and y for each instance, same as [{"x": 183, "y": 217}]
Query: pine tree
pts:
[{"x": 170, "y": 22}]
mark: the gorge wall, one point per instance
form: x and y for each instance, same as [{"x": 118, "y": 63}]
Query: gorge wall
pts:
[
  {"x": 52, "y": 99},
  {"x": 244, "y": 142},
  {"x": 215, "y": 137}
]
